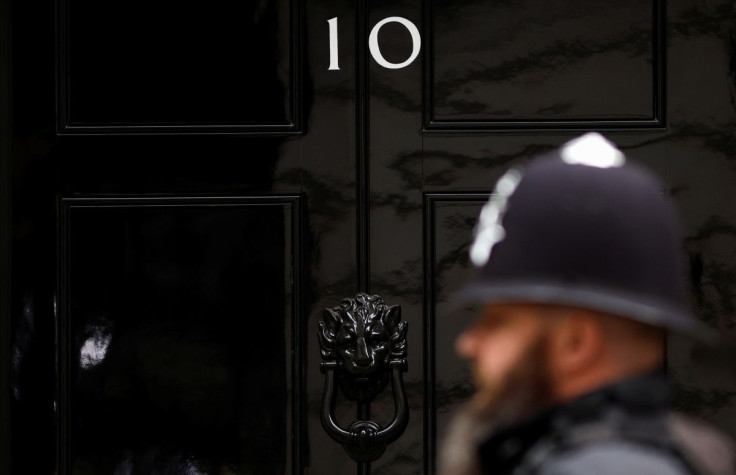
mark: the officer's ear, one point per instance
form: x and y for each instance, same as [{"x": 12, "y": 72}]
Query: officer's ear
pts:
[{"x": 577, "y": 342}]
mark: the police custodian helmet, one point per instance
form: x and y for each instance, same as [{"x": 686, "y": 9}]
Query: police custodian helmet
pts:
[{"x": 583, "y": 227}]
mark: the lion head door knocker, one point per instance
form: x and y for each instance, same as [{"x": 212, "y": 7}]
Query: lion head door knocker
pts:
[{"x": 363, "y": 343}]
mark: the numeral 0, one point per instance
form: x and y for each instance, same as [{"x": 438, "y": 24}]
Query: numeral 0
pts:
[{"x": 375, "y": 50}]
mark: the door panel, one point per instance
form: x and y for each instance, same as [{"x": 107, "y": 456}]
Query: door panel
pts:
[
  {"x": 161, "y": 301},
  {"x": 449, "y": 219},
  {"x": 216, "y": 186},
  {"x": 538, "y": 64},
  {"x": 148, "y": 67}
]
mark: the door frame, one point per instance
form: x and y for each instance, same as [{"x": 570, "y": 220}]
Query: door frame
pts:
[{"x": 5, "y": 232}]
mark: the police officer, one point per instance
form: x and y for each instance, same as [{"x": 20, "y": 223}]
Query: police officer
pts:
[{"x": 581, "y": 277}]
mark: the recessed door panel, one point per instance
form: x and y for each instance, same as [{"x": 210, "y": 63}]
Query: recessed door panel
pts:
[
  {"x": 178, "y": 336},
  {"x": 537, "y": 64},
  {"x": 162, "y": 66}
]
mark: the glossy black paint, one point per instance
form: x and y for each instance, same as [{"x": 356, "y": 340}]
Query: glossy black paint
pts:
[
  {"x": 5, "y": 235},
  {"x": 575, "y": 67},
  {"x": 152, "y": 67},
  {"x": 156, "y": 370},
  {"x": 448, "y": 219},
  {"x": 387, "y": 191}
]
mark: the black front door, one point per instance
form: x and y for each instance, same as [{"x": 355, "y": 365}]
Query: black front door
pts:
[{"x": 191, "y": 184}]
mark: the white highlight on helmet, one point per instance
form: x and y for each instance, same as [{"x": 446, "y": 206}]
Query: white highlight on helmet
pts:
[
  {"x": 489, "y": 230},
  {"x": 592, "y": 150}
]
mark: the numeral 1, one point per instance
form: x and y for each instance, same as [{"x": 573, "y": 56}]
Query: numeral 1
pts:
[{"x": 333, "y": 44}]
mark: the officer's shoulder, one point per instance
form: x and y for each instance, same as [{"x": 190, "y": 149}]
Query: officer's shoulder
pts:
[
  {"x": 698, "y": 445},
  {"x": 614, "y": 457}
]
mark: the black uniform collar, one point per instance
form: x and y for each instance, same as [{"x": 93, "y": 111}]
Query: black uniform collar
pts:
[{"x": 644, "y": 395}]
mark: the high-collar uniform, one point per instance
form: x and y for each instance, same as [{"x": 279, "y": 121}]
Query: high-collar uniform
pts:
[{"x": 623, "y": 429}]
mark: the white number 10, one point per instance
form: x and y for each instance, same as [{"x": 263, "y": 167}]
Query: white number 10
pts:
[{"x": 373, "y": 43}]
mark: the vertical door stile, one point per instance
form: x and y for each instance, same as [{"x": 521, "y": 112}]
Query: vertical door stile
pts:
[
  {"x": 363, "y": 186},
  {"x": 5, "y": 233},
  {"x": 362, "y": 146}
]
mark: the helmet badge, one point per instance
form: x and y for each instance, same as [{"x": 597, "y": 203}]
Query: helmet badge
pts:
[{"x": 489, "y": 230}]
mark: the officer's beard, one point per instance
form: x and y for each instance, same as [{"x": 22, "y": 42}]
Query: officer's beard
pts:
[{"x": 524, "y": 392}]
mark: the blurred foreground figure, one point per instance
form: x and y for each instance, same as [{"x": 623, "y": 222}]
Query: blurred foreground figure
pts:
[{"x": 581, "y": 278}]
